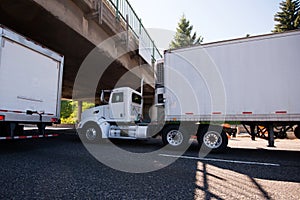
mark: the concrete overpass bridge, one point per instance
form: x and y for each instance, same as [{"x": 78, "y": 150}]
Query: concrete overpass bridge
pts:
[{"x": 74, "y": 28}]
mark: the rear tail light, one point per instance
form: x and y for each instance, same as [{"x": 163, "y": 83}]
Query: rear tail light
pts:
[
  {"x": 54, "y": 120},
  {"x": 2, "y": 117}
]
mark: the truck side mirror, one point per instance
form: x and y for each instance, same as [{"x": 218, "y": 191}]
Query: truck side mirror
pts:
[
  {"x": 102, "y": 98},
  {"x": 159, "y": 96},
  {"x": 160, "y": 99}
]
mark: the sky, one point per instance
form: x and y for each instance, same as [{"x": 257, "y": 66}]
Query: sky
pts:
[{"x": 214, "y": 20}]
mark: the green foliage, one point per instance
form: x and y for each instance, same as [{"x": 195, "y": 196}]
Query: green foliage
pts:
[
  {"x": 69, "y": 111},
  {"x": 66, "y": 109},
  {"x": 289, "y": 16},
  {"x": 184, "y": 36}
]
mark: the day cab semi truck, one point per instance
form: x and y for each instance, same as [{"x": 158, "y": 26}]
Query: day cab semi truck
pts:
[
  {"x": 250, "y": 81},
  {"x": 30, "y": 86}
]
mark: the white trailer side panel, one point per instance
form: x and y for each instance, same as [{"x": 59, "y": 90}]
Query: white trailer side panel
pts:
[
  {"x": 30, "y": 80},
  {"x": 250, "y": 79}
]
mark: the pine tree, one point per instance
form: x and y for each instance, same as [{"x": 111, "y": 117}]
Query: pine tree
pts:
[
  {"x": 184, "y": 36},
  {"x": 289, "y": 16}
]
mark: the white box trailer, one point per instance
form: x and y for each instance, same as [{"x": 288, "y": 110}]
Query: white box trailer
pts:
[
  {"x": 31, "y": 84},
  {"x": 242, "y": 80},
  {"x": 252, "y": 81}
]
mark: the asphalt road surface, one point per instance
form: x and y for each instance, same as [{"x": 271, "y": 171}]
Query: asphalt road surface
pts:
[{"x": 63, "y": 168}]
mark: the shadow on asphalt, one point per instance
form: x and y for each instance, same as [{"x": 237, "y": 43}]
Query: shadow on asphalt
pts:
[{"x": 285, "y": 159}]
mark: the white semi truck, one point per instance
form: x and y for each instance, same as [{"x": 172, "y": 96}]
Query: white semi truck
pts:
[
  {"x": 250, "y": 81},
  {"x": 31, "y": 85}
]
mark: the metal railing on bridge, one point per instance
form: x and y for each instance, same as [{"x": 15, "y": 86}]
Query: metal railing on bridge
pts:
[{"x": 124, "y": 11}]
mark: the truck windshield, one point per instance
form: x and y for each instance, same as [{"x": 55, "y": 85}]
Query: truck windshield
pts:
[{"x": 136, "y": 98}]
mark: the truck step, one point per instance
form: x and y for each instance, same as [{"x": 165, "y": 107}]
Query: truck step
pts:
[{"x": 120, "y": 137}]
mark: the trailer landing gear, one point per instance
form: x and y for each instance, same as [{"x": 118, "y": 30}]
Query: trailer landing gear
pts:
[
  {"x": 271, "y": 136},
  {"x": 270, "y": 131}
]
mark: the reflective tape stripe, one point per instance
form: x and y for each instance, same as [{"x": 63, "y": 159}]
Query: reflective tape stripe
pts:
[
  {"x": 216, "y": 113},
  {"x": 281, "y": 112},
  {"x": 28, "y": 137},
  {"x": 247, "y": 113}
]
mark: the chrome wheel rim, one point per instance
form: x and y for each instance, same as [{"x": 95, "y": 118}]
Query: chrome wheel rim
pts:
[
  {"x": 175, "y": 138},
  {"x": 212, "y": 140},
  {"x": 91, "y": 134}
]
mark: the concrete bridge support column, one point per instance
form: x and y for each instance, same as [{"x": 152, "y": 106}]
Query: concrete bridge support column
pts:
[{"x": 79, "y": 112}]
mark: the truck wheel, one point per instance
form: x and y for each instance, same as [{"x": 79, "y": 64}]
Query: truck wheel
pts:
[
  {"x": 213, "y": 140},
  {"x": 174, "y": 138},
  {"x": 91, "y": 133},
  {"x": 297, "y": 132}
]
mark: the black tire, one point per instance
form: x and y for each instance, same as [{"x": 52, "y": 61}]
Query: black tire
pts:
[
  {"x": 91, "y": 133},
  {"x": 175, "y": 138},
  {"x": 212, "y": 140},
  {"x": 297, "y": 132}
]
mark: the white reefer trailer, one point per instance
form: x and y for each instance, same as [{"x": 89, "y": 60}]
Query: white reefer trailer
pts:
[
  {"x": 250, "y": 81},
  {"x": 31, "y": 81}
]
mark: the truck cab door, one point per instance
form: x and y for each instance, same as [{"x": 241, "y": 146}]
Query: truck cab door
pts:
[{"x": 117, "y": 106}]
